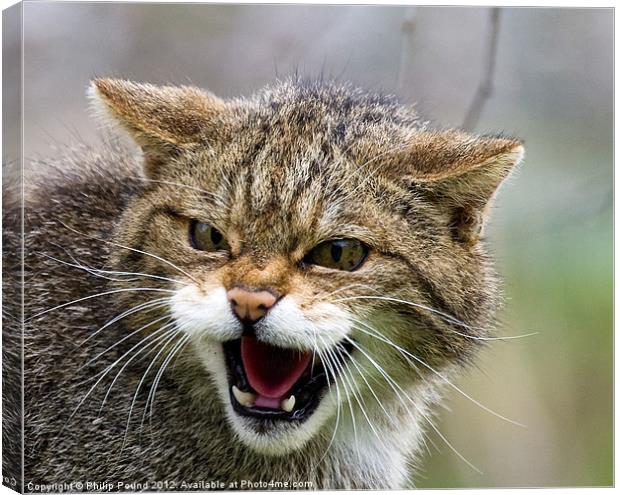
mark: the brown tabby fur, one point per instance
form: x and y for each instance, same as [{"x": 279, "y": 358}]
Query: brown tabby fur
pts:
[{"x": 279, "y": 172}]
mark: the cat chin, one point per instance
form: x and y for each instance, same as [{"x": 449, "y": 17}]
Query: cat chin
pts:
[
  {"x": 272, "y": 437},
  {"x": 277, "y": 438}
]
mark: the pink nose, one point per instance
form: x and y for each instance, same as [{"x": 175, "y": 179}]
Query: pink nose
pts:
[{"x": 250, "y": 306}]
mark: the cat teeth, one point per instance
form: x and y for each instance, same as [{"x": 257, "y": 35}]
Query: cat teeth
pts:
[
  {"x": 288, "y": 404},
  {"x": 246, "y": 399}
]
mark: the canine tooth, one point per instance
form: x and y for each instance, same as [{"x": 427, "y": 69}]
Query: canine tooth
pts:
[
  {"x": 246, "y": 399},
  {"x": 288, "y": 404}
]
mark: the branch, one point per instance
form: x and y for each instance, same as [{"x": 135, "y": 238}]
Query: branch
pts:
[
  {"x": 407, "y": 28},
  {"x": 485, "y": 86}
]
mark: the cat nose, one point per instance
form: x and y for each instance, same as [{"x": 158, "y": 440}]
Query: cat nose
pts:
[{"x": 250, "y": 306}]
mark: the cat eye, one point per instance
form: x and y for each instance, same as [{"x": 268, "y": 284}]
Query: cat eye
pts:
[
  {"x": 339, "y": 254},
  {"x": 205, "y": 237}
]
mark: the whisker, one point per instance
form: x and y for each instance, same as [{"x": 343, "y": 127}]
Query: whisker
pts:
[
  {"x": 78, "y": 265},
  {"x": 351, "y": 286},
  {"x": 332, "y": 380},
  {"x": 437, "y": 373},
  {"x": 368, "y": 162},
  {"x": 447, "y": 317},
  {"x": 314, "y": 349},
  {"x": 343, "y": 369},
  {"x": 184, "y": 340},
  {"x": 170, "y": 338},
  {"x": 338, "y": 408},
  {"x": 145, "y": 306},
  {"x": 402, "y": 393},
  {"x": 127, "y": 353},
  {"x": 101, "y": 378},
  {"x": 165, "y": 317},
  {"x": 508, "y": 337},
  {"x": 346, "y": 395},
  {"x": 185, "y": 186},
  {"x": 101, "y": 294},
  {"x": 169, "y": 331},
  {"x": 131, "y": 249},
  {"x": 379, "y": 402},
  {"x": 97, "y": 271}
]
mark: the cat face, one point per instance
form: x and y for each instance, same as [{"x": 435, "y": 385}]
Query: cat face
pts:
[{"x": 319, "y": 245}]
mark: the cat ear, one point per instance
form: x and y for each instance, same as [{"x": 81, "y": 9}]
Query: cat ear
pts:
[
  {"x": 161, "y": 119},
  {"x": 461, "y": 173}
]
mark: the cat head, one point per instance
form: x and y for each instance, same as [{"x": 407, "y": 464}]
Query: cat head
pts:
[{"x": 318, "y": 248}]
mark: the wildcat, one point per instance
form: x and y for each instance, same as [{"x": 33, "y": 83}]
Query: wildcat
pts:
[{"x": 277, "y": 289}]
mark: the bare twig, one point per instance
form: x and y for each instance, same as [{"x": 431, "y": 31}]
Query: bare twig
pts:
[
  {"x": 407, "y": 29},
  {"x": 485, "y": 86}
]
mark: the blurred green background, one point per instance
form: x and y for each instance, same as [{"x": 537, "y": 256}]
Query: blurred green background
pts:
[{"x": 552, "y": 228}]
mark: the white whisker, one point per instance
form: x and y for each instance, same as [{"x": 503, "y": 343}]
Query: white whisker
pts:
[
  {"x": 361, "y": 373},
  {"x": 101, "y": 294},
  {"x": 447, "y": 317},
  {"x": 402, "y": 393},
  {"x": 106, "y": 371},
  {"x": 127, "y": 353},
  {"x": 341, "y": 289},
  {"x": 169, "y": 328},
  {"x": 346, "y": 375},
  {"x": 165, "y": 317},
  {"x": 185, "y": 186},
  {"x": 338, "y": 407},
  {"x": 97, "y": 271},
  {"x": 152, "y": 393},
  {"x": 333, "y": 369},
  {"x": 170, "y": 336},
  {"x": 373, "y": 159},
  {"x": 169, "y": 263},
  {"x": 145, "y": 306},
  {"x": 437, "y": 373}
]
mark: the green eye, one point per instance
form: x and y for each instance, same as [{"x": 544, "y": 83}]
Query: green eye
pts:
[
  {"x": 339, "y": 254},
  {"x": 206, "y": 238}
]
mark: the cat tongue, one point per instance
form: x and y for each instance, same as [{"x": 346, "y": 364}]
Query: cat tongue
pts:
[{"x": 271, "y": 371}]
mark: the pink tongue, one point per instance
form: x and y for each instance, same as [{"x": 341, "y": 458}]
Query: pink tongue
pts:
[{"x": 271, "y": 371}]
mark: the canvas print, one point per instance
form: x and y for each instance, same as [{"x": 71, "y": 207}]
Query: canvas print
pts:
[{"x": 237, "y": 256}]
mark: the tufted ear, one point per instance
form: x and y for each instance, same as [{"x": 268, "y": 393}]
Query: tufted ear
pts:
[
  {"x": 163, "y": 120},
  {"x": 460, "y": 173}
]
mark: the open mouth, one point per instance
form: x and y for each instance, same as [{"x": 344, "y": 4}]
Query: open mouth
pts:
[{"x": 271, "y": 382}]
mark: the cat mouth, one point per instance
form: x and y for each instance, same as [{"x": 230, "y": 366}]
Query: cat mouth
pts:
[{"x": 269, "y": 382}]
